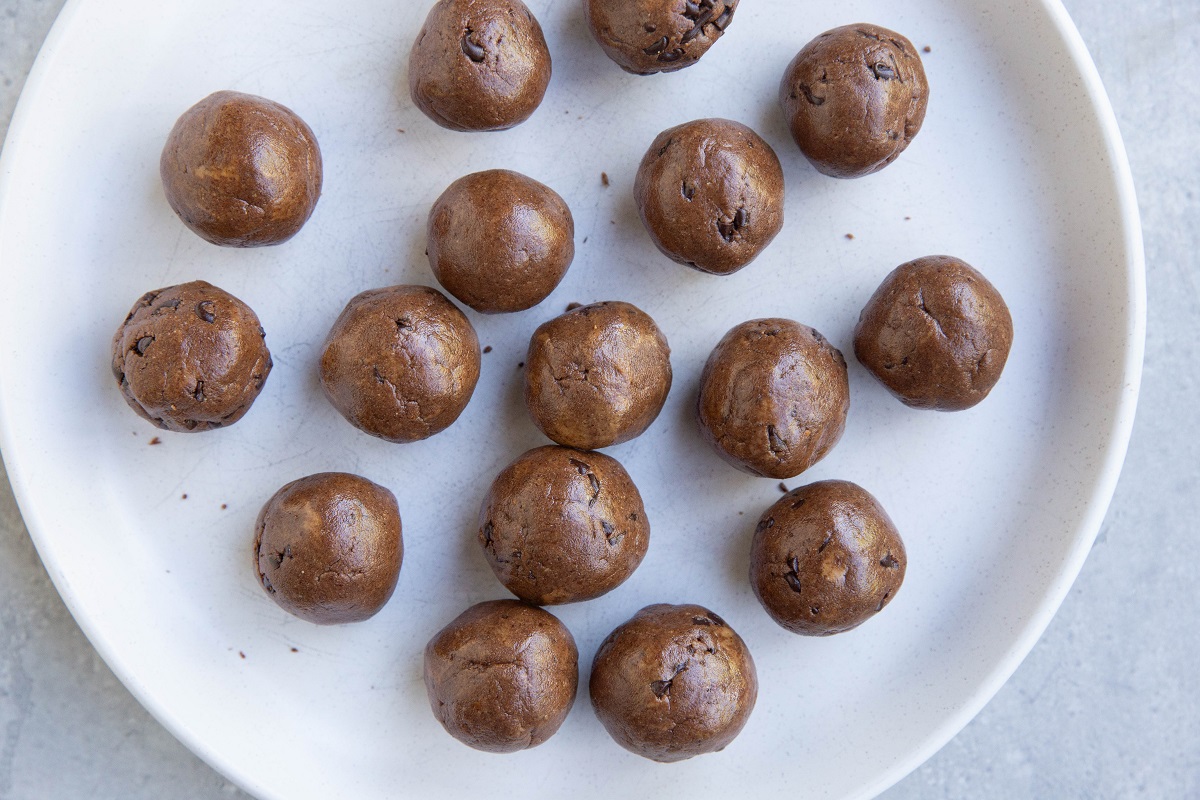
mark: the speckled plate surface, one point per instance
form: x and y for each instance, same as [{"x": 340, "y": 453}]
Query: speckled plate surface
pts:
[{"x": 1019, "y": 170}]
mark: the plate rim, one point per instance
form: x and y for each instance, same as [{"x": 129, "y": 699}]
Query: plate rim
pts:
[{"x": 1085, "y": 531}]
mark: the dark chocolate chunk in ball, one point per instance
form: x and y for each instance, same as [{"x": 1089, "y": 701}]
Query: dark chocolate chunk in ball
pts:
[
  {"x": 328, "y": 548},
  {"x": 673, "y": 682},
  {"x": 773, "y": 397},
  {"x": 597, "y": 376},
  {"x": 190, "y": 357},
  {"x": 502, "y": 676},
  {"x": 826, "y": 558},
  {"x": 854, "y": 98},
  {"x": 401, "y": 363},
  {"x": 500, "y": 241},
  {"x": 649, "y": 36},
  {"x": 710, "y": 193},
  {"x": 560, "y": 525},
  {"x": 241, "y": 170},
  {"x": 479, "y": 65},
  {"x": 936, "y": 333}
]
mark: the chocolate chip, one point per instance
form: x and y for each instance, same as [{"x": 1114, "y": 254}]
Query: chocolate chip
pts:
[
  {"x": 671, "y": 56},
  {"x": 660, "y": 688},
  {"x": 793, "y": 577},
  {"x": 809, "y": 96},
  {"x": 205, "y": 309},
  {"x": 142, "y": 344},
  {"x": 688, "y": 191},
  {"x": 883, "y": 72},
  {"x": 472, "y": 50},
  {"x": 657, "y": 47},
  {"x": 889, "y": 561},
  {"x": 199, "y": 392},
  {"x": 722, "y": 22},
  {"x": 702, "y": 621},
  {"x": 776, "y": 444},
  {"x": 573, "y": 306},
  {"x": 487, "y": 534}
]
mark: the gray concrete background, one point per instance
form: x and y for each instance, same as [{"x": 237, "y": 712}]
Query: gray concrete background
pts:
[{"x": 1106, "y": 706}]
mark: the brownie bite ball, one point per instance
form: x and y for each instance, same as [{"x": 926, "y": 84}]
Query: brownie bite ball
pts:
[
  {"x": 936, "y": 333},
  {"x": 502, "y": 676},
  {"x": 673, "y": 682},
  {"x": 500, "y": 241},
  {"x": 479, "y": 65},
  {"x": 328, "y": 548},
  {"x": 241, "y": 170},
  {"x": 854, "y": 98},
  {"x": 773, "y": 397},
  {"x": 190, "y": 357},
  {"x": 400, "y": 363},
  {"x": 710, "y": 193},
  {"x": 597, "y": 376},
  {"x": 649, "y": 36},
  {"x": 826, "y": 558},
  {"x": 560, "y": 525}
]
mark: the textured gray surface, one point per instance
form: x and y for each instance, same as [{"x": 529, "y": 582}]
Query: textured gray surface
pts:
[{"x": 1107, "y": 704}]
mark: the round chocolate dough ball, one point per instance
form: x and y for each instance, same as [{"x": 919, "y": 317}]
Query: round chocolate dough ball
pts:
[
  {"x": 499, "y": 241},
  {"x": 649, "y": 36},
  {"x": 560, "y": 525},
  {"x": 673, "y": 682},
  {"x": 190, "y": 357},
  {"x": 502, "y": 676},
  {"x": 710, "y": 193},
  {"x": 328, "y": 548},
  {"x": 936, "y": 333},
  {"x": 400, "y": 363},
  {"x": 773, "y": 397},
  {"x": 479, "y": 65},
  {"x": 241, "y": 171},
  {"x": 826, "y": 558},
  {"x": 854, "y": 98},
  {"x": 597, "y": 376}
]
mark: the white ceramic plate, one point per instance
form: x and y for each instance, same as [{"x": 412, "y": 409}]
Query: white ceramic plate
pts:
[{"x": 1019, "y": 170}]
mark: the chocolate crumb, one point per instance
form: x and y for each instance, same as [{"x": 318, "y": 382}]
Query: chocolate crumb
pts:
[
  {"x": 224, "y": 506},
  {"x": 783, "y": 487},
  {"x": 487, "y": 349},
  {"x": 240, "y": 653},
  {"x": 521, "y": 365},
  {"x": 294, "y": 650},
  {"x": 906, "y": 219},
  {"x": 155, "y": 440},
  {"x": 849, "y": 235},
  {"x": 585, "y": 240},
  {"x": 604, "y": 178},
  {"x": 184, "y": 497},
  {"x": 399, "y": 130},
  {"x": 927, "y": 49}
]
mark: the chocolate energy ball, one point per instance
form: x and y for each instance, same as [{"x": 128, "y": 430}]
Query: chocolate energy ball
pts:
[
  {"x": 502, "y": 676},
  {"x": 773, "y": 397},
  {"x": 400, "y": 363},
  {"x": 328, "y": 548},
  {"x": 597, "y": 376},
  {"x": 479, "y": 65},
  {"x": 649, "y": 36},
  {"x": 190, "y": 357},
  {"x": 241, "y": 171},
  {"x": 826, "y": 558},
  {"x": 560, "y": 525},
  {"x": 710, "y": 193},
  {"x": 673, "y": 682},
  {"x": 499, "y": 241},
  {"x": 936, "y": 333},
  {"x": 854, "y": 98}
]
